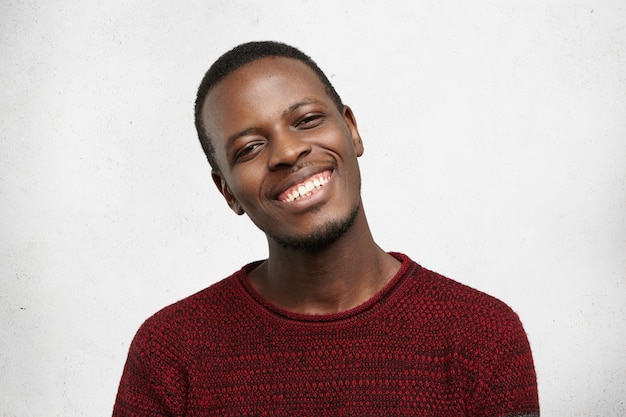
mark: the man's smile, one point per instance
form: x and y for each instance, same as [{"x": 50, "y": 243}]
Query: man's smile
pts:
[{"x": 305, "y": 188}]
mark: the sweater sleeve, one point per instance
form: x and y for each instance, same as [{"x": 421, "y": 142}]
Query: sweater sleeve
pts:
[
  {"x": 506, "y": 384},
  {"x": 153, "y": 382}
]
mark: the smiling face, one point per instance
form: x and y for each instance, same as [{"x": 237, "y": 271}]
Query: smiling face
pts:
[{"x": 287, "y": 155}]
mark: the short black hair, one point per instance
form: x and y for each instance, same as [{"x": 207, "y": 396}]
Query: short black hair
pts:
[{"x": 238, "y": 57}]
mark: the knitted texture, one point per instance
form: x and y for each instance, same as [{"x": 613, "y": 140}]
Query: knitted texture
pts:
[{"x": 424, "y": 346}]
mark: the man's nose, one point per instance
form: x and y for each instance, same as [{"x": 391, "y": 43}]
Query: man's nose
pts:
[{"x": 287, "y": 147}]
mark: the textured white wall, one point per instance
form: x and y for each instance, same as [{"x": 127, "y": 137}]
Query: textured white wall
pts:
[{"x": 495, "y": 137}]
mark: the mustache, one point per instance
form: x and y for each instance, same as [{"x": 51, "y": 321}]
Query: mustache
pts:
[{"x": 312, "y": 163}]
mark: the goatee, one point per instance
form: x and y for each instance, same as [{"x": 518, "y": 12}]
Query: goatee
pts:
[{"x": 324, "y": 236}]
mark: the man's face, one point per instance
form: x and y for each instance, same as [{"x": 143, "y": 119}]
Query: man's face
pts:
[{"x": 287, "y": 156}]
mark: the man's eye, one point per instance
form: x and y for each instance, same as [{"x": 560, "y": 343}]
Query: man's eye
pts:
[
  {"x": 247, "y": 150},
  {"x": 310, "y": 121}
]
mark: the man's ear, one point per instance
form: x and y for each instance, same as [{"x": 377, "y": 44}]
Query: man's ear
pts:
[
  {"x": 221, "y": 185},
  {"x": 348, "y": 116}
]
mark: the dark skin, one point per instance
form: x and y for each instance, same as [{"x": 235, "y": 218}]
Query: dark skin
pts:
[{"x": 276, "y": 132}]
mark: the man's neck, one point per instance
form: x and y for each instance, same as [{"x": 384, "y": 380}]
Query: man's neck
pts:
[{"x": 333, "y": 279}]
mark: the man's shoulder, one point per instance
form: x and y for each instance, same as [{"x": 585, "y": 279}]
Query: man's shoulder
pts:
[
  {"x": 460, "y": 305},
  {"x": 207, "y": 308},
  {"x": 456, "y": 293},
  {"x": 203, "y": 302}
]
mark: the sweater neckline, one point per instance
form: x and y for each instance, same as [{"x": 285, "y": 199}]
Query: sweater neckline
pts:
[{"x": 258, "y": 301}]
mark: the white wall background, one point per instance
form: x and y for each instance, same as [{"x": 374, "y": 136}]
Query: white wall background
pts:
[{"x": 495, "y": 153}]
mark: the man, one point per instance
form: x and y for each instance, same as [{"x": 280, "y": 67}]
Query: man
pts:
[{"x": 329, "y": 324}]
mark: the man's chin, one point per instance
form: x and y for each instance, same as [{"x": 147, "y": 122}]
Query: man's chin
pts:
[{"x": 321, "y": 238}]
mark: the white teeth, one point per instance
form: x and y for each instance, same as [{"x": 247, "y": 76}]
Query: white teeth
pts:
[{"x": 306, "y": 188}]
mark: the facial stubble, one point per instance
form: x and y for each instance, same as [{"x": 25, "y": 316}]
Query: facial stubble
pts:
[{"x": 322, "y": 237}]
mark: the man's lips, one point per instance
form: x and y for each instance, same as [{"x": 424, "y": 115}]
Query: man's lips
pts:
[{"x": 305, "y": 187}]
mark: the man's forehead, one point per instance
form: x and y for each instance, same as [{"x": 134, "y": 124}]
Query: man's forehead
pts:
[
  {"x": 267, "y": 67},
  {"x": 287, "y": 76}
]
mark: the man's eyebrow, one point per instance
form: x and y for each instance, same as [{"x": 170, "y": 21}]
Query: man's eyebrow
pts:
[
  {"x": 239, "y": 134},
  {"x": 299, "y": 104}
]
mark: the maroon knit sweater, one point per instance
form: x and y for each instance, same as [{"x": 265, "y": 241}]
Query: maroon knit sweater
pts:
[{"x": 424, "y": 346}]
